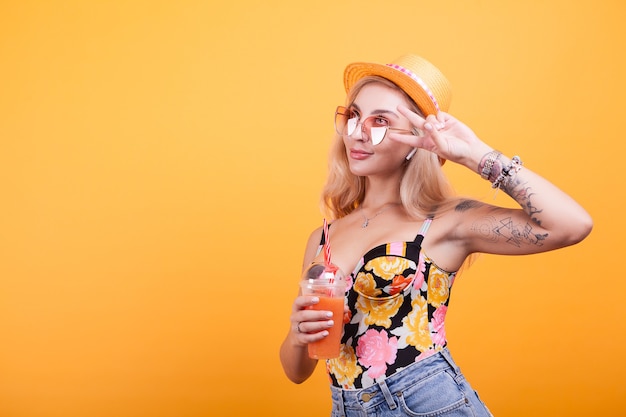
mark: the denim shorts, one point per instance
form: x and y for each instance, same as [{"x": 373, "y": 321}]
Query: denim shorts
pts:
[{"x": 431, "y": 387}]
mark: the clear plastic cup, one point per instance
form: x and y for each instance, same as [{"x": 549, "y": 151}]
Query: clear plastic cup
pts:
[{"x": 330, "y": 287}]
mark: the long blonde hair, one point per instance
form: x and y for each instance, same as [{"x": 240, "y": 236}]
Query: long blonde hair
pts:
[{"x": 423, "y": 189}]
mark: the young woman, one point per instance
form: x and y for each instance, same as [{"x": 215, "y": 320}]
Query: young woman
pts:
[{"x": 400, "y": 235}]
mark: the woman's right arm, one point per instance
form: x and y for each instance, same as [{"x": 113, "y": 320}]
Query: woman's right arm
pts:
[{"x": 294, "y": 354}]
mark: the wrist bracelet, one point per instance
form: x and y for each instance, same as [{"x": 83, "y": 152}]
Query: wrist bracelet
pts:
[
  {"x": 489, "y": 161},
  {"x": 508, "y": 172}
]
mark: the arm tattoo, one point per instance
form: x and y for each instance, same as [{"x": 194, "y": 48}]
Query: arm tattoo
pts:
[
  {"x": 494, "y": 230},
  {"x": 523, "y": 194}
]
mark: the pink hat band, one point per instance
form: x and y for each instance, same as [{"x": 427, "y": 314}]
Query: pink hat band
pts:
[{"x": 417, "y": 80}]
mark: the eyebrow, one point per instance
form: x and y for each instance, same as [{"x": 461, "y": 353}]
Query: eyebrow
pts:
[{"x": 378, "y": 111}]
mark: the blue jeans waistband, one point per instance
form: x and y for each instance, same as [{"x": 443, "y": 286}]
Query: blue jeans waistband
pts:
[{"x": 384, "y": 390}]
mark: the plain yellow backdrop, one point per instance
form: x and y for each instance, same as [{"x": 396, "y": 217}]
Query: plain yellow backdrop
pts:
[{"x": 161, "y": 162}]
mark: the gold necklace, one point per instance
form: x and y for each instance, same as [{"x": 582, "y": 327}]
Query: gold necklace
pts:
[{"x": 366, "y": 220}]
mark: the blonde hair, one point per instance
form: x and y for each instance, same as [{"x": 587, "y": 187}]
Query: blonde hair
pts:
[{"x": 423, "y": 189}]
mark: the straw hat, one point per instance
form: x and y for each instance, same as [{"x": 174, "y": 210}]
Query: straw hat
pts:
[{"x": 420, "y": 79}]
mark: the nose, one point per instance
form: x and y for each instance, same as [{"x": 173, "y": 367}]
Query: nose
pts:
[{"x": 359, "y": 132}]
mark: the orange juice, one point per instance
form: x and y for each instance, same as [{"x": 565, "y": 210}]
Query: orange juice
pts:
[{"x": 328, "y": 347}]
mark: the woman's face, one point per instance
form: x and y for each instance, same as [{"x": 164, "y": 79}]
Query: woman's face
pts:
[{"x": 379, "y": 102}]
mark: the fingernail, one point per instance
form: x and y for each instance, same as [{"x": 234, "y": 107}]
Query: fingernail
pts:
[
  {"x": 315, "y": 300},
  {"x": 428, "y": 126},
  {"x": 330, "y": 323},
  {"x": 329, "y": 314}
]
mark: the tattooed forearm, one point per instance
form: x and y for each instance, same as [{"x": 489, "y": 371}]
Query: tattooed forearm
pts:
[
  {"x": 494, "y": 230},
  {"x": 523, "y": 194}
]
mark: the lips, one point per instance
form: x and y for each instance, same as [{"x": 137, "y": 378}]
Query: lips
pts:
[{"x": 359, "y": 154}]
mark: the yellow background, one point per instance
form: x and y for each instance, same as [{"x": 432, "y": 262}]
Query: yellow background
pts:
[{"x": 160, "y": 165}]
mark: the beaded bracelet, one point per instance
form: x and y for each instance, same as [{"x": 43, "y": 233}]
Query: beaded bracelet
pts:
[
  {"x": 491, "y": 159},
  {"x": 508, "y": 172}
]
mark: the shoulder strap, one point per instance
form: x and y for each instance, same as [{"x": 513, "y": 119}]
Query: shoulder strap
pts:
[
  {"x": 323, "y": 238},
  {"x": 424, "y": 229},
  {"x": 322, "y": 242}
]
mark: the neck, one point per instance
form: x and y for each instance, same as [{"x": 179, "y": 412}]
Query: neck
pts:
[
  {"x": 378, "y": 204},
  {"x": 381, "y": 191},
  {"x": 372, "y": 216}
]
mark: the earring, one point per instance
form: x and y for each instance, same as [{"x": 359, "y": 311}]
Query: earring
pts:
[{"x": 410, "y": 155}]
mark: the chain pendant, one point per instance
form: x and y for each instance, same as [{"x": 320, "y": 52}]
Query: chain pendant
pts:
[{"x": 365, "y": 223}]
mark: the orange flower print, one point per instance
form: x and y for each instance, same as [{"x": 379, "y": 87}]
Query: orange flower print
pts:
[
  {"x": 399, "y": 283},
  {"x": 378, "y": 312},
  {"x": 366, "y": 285},
  {"x": 387, "y": 267},
  {"x": 345, "y": 367},
  {"x": 438, "y": 287},
  {"x": 416, "y": 323}
]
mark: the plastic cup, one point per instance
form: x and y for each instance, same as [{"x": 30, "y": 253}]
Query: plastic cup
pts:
[{"x": 330, "y": 288}]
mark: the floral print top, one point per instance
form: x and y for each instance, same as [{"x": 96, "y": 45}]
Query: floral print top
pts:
[{"x": 398, "y": 299}]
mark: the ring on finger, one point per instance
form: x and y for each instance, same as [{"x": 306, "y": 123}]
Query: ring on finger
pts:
[{"x": 298, "y": 327}]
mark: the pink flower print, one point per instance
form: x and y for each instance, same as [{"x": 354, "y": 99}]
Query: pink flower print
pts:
[
  {"x": 438, "y": 325},
  {"x": 375, "y": 350},
  {"x": 419, "y": 273},
  {"x": 424, "y": 355},
  {"x": 349, "y": 282}
]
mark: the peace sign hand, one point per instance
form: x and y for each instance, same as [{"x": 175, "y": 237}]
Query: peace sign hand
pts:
[{"x": 445, "y": 136}]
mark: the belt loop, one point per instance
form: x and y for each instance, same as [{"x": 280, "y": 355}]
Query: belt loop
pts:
[
  {"x": 448, "y": 357},
  {"x": 337, "y": 395},
  {"x": 340, "y": 405},
  {"x": 385, "y": 389}
]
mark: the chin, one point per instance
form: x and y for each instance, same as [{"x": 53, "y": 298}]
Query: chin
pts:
[{"x": 359, "y": 171}]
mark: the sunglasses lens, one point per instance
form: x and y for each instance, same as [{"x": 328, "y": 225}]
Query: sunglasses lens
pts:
[
  {"x": 351, "y": 126},
  {"x": 341, "y": 119},
  {"x": 375, "y": 131},
  {"x": 375, "y": 128},
  {"x": 377, "y": 134}
]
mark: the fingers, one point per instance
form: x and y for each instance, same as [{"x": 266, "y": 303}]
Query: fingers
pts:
[
  {"x": 435, "y": 122},
  {"x": 313, "y": 330},
  {"x": 438, "y": 120},
  {"x": 431, "y": 123},
  {"x": 433, "y": 128},
  {"x": 308, "y": 324},
  {"x": 415, "y": 119}
]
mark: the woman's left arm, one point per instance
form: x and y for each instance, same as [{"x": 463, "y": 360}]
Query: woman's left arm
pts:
[
  {"x": 548, "y": 218},
  {"x": 551, "y": 217}
]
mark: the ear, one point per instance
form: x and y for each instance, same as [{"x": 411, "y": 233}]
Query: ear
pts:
[{"x": 410, "y": 155}]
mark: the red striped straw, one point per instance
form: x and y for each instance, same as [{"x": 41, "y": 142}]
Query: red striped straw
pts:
[
  {"x": 327, "y": 262},
  {"x": 326, "y": 245}
]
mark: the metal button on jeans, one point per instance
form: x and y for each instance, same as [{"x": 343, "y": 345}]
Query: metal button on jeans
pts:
[{"x": 366, "y": 397}]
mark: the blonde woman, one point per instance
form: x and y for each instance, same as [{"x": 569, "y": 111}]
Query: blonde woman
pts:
[{"x": 401, "y": 235}]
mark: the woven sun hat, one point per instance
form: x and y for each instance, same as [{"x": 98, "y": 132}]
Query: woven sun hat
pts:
[{"x": 420, "y": 79}]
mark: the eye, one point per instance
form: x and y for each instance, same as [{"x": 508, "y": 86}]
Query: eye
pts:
[{"x": 378, "y": 121}]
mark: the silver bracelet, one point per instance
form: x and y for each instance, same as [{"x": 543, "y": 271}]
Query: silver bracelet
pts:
[
  {"x": 491, "y": 159},
  {"x": 508, "y": 172}
]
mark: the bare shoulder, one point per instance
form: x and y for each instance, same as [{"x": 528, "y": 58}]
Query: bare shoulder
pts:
[
  {"x": 312, "y": 246},
  {"x": 458, "y": 212},
  {"x": 447, "y": 240}
]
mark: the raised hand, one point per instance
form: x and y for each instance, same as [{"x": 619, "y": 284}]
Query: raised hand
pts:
[{"x": 445, "y": 136}]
